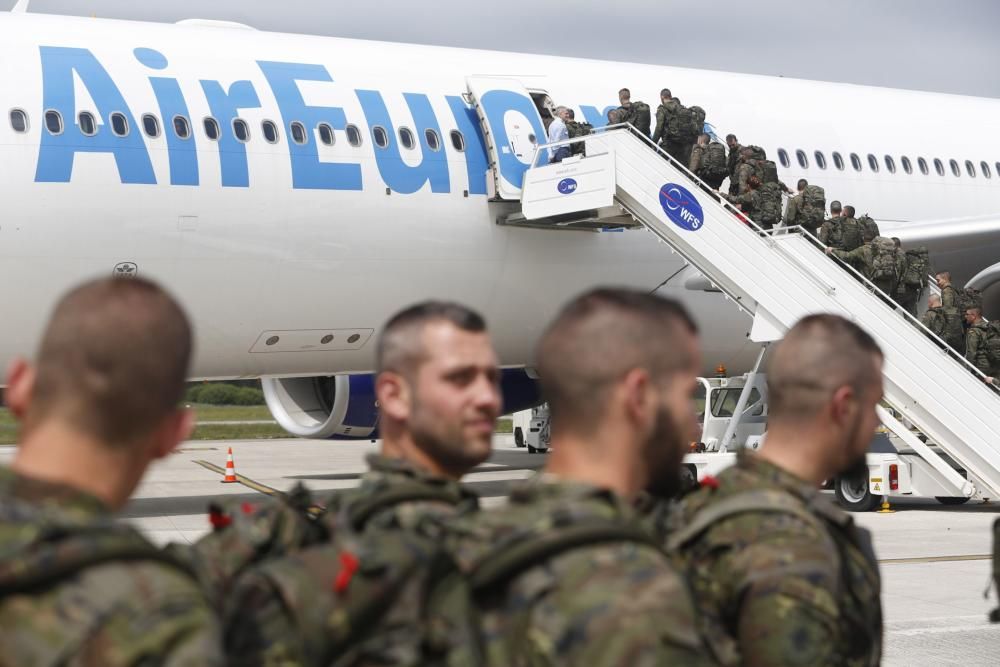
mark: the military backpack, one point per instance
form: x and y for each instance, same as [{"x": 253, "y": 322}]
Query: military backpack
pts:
[
  {"x": 850, "y": 234},
  {"x": 369, "y": 594},
  {"x": 765, "y": 170},
  {"x": 767, "y": 212},
  {"x": 757, "y": 153},
  {"x": 917, "y": 265},
  {"x": 884, "y": 261},
  {"x": 641, "y": 117},
  {"x": 969, "y": 297},
  {"x": 869, "y": 228},
  {"x": 993, "y": 344},
  {"x": 713, "y": 161},
  {"x": 575, "y": 129},
  {"x": 680, "y": 125},
  {"x": 813, "y": 205}
]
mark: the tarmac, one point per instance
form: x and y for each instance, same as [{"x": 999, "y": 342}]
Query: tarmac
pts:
[{"x": 934, "y": 559}]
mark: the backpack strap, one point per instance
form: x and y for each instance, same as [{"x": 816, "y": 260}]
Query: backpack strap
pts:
[
  {"x": 510, "y": 559},
  {"x": 758, "y": 500},
  {"x": 360, "y": 512},
  {"x": 66, "y": 558}
]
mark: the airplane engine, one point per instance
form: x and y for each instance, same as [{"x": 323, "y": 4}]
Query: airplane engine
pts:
[{"x": 343, "y": 407}]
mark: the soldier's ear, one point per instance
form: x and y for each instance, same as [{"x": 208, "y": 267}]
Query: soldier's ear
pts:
[
  {"x": 20, "y": 387},
  {"x": 394, "y": 395}
]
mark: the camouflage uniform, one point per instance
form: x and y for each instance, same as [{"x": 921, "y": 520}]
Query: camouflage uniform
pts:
[
  {"x": 733, "y": 161},
  {"x": 975, "y": 346},
  {"x": 284, "y": 611},
  {"x": 792, "y": 211},
  {"x": 906, "y": 296},
  {"x": 65, "y": 601},
  {"x": 609, "y": 604},
  {"x": 830, "y": 233},
  {"x": 696, "y": 155},
  {"x": 796, "y": 585},
  {"x": 934, "y": 320},
  {"x": 743, "y": 173},
  {"x": 863, "y": 259},
  {"x": 664, "y": 115},
  {"x": 953, "y": 317}
]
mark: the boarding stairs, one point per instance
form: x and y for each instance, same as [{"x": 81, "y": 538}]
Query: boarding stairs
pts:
[{"x": 778, "y": 276}]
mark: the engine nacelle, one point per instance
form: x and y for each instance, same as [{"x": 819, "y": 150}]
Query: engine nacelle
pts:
[{"x": 343, "y": 407}]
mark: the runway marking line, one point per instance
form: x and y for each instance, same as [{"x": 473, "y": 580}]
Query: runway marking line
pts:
[{"x": 315, "y": 510}]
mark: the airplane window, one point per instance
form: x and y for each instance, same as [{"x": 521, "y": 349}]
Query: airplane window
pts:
[
  {"x": 907, "y": 166},
  {"x": 19, "y": 120},
  {"x": 326, "y": 134},
  {"x": 838, "y": 161},
  {"x": 270, "y": 131},
  {"x": 873, "y": 163},
  {"x": 433, "y": 140},
  {"x": 88, "y": 126},
  {"x": 800, "y": 155},
  {"x": 181, "y": 127},
  {"x": 381, "y": 136},
  {"x": 299, "y": 135},
  {"x": 855, "y": 162},
  {"x": 119, "y": 125},
  {"x": 939, "y": 167},
  {"x": 954, "y": 168},
  {"x": 241, "y": 130},
  {"x": 353, "y": 135},
  {"x": 406, "y": 138},
  {"x": 890, "y": 164},
  {"x": 457, "y": 141},
  {"x": 150, "y": 125},
  {"x": 820, "y": 159},
  {"x": 783, "y": 158},
  {"x": 970, "y": 169},
  {"x": 922, "y": 163},
  {"x": 212, "y": 128},
  {"x": 53, "y": 122},
  {"x": 985, "y": 168}
]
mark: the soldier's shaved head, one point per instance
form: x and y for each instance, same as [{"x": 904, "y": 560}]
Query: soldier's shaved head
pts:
[
  {"x": 944, "y": 275},
  {"x": 819, "y": 355},
  {"x": 597, "y": 339},
  {"x": 803, "y": 184},
  {"x": 400, "y": 347},
  {"x": 731, "y": 138},
  {"x": 624, "y": 94},
  {"x": 665, "y": 94},
  {"x": 835, "y": 207},
  {"x": 975, "y": 311},
  {"x": 849, "y": 211},
  {"x": 112, "y": 361}
]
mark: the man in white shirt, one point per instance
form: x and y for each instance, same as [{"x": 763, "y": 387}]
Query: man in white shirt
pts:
[{"x": 558, "y": 132}]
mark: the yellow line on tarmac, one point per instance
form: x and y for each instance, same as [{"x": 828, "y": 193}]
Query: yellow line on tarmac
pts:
[
  {"x": 932, "y": 559},
  {"x": 245, "y": 481}
]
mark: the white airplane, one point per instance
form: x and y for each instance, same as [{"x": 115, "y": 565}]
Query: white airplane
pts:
[{"x": 294, "y": 191}]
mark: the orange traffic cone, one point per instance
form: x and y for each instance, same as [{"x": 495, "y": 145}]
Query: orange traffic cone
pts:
[{"x": 230, "y": 477}]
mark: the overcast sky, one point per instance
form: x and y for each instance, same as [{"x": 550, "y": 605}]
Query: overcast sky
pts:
[{"x": 945, "y": 46}]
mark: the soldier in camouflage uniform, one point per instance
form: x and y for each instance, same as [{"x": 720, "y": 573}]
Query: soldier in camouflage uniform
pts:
[
  {"x": 438, "y": 394},
  {"x": 664, "y": 113},
  {"x": 782, "y": 576},
  {"x": 954, "y": 331},
  {"x": 733, "y": 161},
  {"x": 975, "y": 341},
  {"x": 744, "y": 170},
  {"x": 617, "y": 368},
  {"x": 933, "y": 318},
  {"x": 868, "y": 260},
  {"x": 829, "y": 231},
  {"x": 76, "y": 587}
]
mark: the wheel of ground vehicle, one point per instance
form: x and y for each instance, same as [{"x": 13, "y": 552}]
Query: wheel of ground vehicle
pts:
[
  {"x": 518, "y": 436},
  {"x": 951, "y": 500},
  {"x": 853, "y": 494},
  {"x": 689, "y": 478},
  {"x": 537, "y": 450}
]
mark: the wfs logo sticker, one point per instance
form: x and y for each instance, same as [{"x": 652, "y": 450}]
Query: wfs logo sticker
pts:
[
  {"x": 681, "y": 207},
  {"x": 567, "y": 186}
]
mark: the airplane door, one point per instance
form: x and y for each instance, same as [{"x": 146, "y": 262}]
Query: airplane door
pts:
[{"x": 512, "y": 128}]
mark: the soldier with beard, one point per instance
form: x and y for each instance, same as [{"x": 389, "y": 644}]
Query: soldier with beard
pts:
[
  {"x": 566, "y": 574},
  {"x": 781, "y": 575}
]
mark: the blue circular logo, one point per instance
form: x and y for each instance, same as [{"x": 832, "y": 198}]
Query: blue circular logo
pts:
[
  {"x": 681, "y": 207},
  {"x": 567, "y": 186}
]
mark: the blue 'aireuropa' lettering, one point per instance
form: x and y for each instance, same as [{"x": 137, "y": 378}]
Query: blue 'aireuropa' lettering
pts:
[
  {"x": 181, "y": 153},
  {"x": 225, "y": 106},
  {"x": 398, "y": 175},
  {"x": 497, "y": 104},
  {"x": 57, "y": 151},
  {"x": 476, "y": 162},
  {"x": 308, "y": 173}
]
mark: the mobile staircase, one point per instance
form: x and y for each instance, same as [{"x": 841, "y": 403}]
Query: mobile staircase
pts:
[{"x": 778, "y": 276}]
